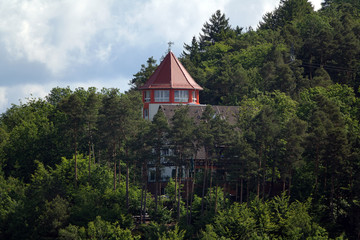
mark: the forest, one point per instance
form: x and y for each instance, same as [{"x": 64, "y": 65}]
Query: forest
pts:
[{"x": 74, "y": 165}]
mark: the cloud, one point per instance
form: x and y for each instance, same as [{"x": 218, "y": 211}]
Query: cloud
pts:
[
  {"x": 63, "y": 33},
  {"x": 3, "y": 99},
  {"x": 54, "y": 33},
  {"x": 316, "y": 4},
  {"x": 173, "y": 20}
]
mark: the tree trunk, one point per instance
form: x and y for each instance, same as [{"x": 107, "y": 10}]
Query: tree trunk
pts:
[
  {"x": 241, "y": 189},
  {"x": 258, "y": 174},
  {"x": 176, "y": 179},
  {"x": 144, "y": 212},
  {"x": 236, "y": 191},
  {"x": 332, "y": 193},
  {"x": 145, "y": 192},
  {"x": 114, "y": 175},
  {"x": 76, "y": 170},
  {"x": 211, "y": 172},
  {"x": 114, "y": 159},
  {"x": 284, "y": 184},
  {"x": 179, "y": 195},
  {"x": 134, "y": 172},
  {"x": 216, "y": 199},
  {"x": 93, "y": 152},
  {"x": 290, "y": 175},
  {"x": 187, "y": 193},
  {"x": 99, "y": 158},
  {"x": 89, "y": 143},
  {"x": 142, "y": 195},
  {"x": 316, "y": 168},
  {"x": 119, "y": 172},
  {"x": 264, "y": 179},
  {"x": 271, "y": 188},
  {"x": 192, "y": 192},
  {"x": 157, "y": 182},
  {"x": 127, "y": 184},
  {"x": 247, "y": 190},
  {"x": 203, "y": 188}
]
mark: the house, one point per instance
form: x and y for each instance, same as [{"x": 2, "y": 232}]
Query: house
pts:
[
  {"x": 170, "y": 84},
  {"x": 168, "y": 88}
]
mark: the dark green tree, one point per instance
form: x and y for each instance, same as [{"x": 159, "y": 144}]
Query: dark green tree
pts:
[
  {"x": 73, "y": 107},
  {"x": 287, "y": 11},
  {"x": 216, "y": 30},
  {"x": 144, "y": 74},
  {"x": 159, "y": 139},
  {"x": 182, "y": 142}
]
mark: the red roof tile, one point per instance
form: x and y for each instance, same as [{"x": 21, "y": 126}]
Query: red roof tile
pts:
[{"x": 171, "y": 74}]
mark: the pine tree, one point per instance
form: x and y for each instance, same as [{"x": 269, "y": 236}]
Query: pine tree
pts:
[{"x": 215, "y": 30}]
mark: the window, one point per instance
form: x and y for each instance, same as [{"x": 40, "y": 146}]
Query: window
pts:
[
  {"x": 146, "y": 113},
  {"x": 162, "y": 95},
  {"x": 152, "y": 175},
  {"x": 194, "y": 96},
  {"x": 181, "y": 96},
  {"x": 147, "y": 96},
  {"x": 165, "y": 154}
]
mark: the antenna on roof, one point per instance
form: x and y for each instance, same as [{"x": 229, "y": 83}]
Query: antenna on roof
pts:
[{"x": 170, "y": 43}]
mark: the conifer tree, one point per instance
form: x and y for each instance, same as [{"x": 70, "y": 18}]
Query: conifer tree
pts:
[{"x": 215, "y": 30}]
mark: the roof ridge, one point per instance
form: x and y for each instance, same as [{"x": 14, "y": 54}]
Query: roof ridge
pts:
[{"x": 182, "y": 70}]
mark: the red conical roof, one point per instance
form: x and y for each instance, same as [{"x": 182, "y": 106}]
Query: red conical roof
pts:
[{"x": 171, "y": 74}]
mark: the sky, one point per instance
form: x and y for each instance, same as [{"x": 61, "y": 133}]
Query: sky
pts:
[{"x": 100, "y": 43}]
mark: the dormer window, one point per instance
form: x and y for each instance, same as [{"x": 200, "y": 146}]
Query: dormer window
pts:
[
  {"x": 162, "y": 95},
  {"x": 181, "y": 96}
]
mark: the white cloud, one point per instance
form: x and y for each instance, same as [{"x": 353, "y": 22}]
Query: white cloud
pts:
[
  {"x": 55, "y": 33},
  {"x": 316, "y": 4},
  {"x": 3, "y": 99}
]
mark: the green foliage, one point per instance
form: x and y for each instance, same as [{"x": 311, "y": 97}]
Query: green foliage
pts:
[
  {"x": 97, "y": 229},
  {"x": 175, "y": 234},
  {"x": 11, "y": 199},
  {"x": 144, "y": 74},
  {"x": 274, "y": 219},
  {"x": 296, "y": 82}
]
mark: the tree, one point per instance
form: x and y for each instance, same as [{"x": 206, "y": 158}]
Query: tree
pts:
[
  {"x": 110, "y": 125},
  {"x": 159, "y": 139},
  {"x": 57, "y": 94},
  {"x": 287, "y": 11},
  {"x": 91, "y": 110},
  {"x": 182, "y": 143},
  {"x": 144, "y": 74},
  {"x": 205, "y": 140},
  {"x": 216, "y": 30},
  {"x": 30, "y": 135},
  {"x": 129, "y": 121},
  {"x": 73, "y": 107},
  {"x": 97, "y": 229}
]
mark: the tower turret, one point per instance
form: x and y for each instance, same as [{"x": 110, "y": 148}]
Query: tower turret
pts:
[{"x": 169, "y": 84}]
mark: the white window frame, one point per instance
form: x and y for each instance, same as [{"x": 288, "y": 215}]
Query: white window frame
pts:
[
  {"x": 162, "y": 95},
  {"x": 181, "y": 96},
  {"x": 194, "y": 99},
  {"x": 147, "y": 96}
]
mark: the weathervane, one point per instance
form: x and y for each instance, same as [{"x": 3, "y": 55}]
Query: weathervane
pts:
[{"x": 170, "y": 43}]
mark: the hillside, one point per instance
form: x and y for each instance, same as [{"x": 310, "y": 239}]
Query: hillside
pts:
[{"x": 75, "y": 164}]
